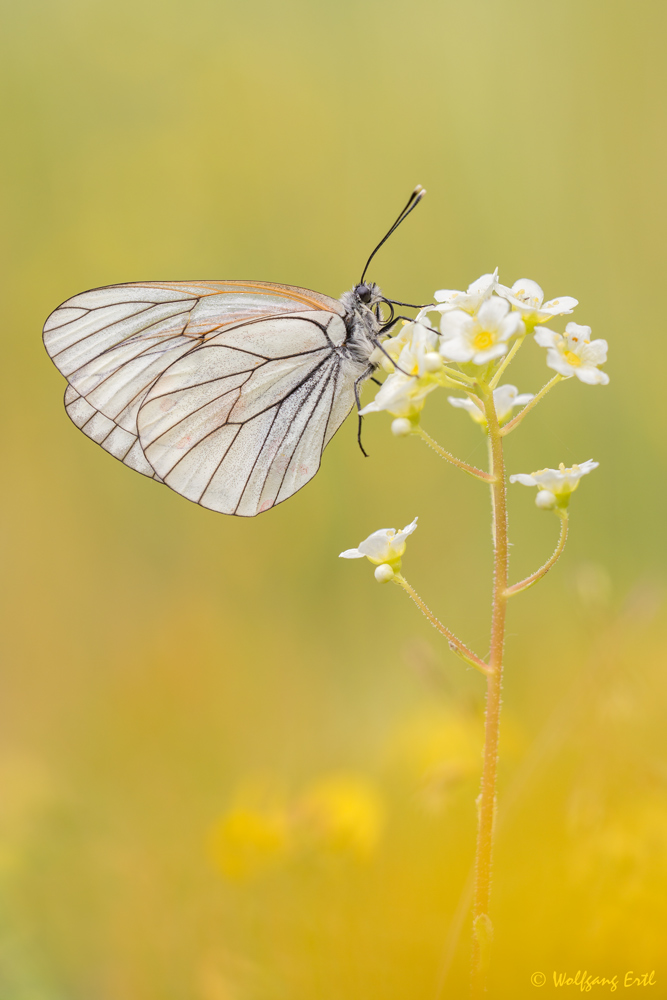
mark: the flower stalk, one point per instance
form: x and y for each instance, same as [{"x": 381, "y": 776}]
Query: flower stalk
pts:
[
  {"x": 507, "y": 360},
  {"x": 486, "y": 803},
  {"x": 448, "y": 457},
  {"x": 518, "y": 588},
  {"x": 509, "y": 427},
  {"x": 455, "y": 644}
]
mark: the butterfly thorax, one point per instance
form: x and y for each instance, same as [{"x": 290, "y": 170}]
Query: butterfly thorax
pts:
[{"x": 361, "y": 321}]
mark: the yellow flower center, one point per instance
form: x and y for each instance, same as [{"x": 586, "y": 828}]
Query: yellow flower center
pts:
[
  {"x": 483, "y": 340},
  {"x": 572, "y": 358}
]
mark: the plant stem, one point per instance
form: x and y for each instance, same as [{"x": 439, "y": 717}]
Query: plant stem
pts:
[
  {"x": 507, "y": 361},
  {"x": 517, "y": 588},
  {"x": 509, "y": 427},
  {"x": 486, "y": 802},
  {"x": 470, "y": 469},
  {"x": 455, "y": 644}
]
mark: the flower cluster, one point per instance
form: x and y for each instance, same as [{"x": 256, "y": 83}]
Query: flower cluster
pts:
[
  {"x": 466, "y": 338},
  {"x": 384, "y": 549},
  {"x": 555, "y": 486}
]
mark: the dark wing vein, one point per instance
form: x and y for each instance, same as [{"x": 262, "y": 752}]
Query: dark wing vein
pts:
[
  {"x": 107, "y": 326},
  {"x": 322, "y": 380},
  {"x": 303, "y": 431},
  {"x": 136, "y": 337}
]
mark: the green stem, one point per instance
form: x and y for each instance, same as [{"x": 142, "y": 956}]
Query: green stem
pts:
[
  {"x": 508, "y": 428},
  {"x": 507, "y": 360},
  {"x": 470, "y": 469},
  {"x": 517, "y": 588},
  {"x": 455, "y": 644},
  {"x": 457, "y": 376},
  {"x": 486, "y": 802}
]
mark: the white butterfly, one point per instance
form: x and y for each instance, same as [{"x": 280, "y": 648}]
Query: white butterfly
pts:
[{"x": 226, "y": 391}]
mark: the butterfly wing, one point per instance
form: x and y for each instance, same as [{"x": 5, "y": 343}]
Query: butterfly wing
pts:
[
  {"x": 113, "y": 343},
  {"x": 115, "y": 439},
  {"x": 240, "y": 423}
]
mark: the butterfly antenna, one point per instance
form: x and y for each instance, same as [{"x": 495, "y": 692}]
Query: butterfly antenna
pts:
[{"x": 413, "y": 201}]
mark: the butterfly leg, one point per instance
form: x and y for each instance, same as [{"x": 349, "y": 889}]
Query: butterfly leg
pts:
[
  {"x": 385, "y": 329},
  {"x": 364, "y": 375},
  {"x": 388, "y": 355}
]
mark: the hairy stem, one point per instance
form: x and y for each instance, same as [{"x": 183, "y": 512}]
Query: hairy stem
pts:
[
  {"x": 517, "y": 588},
  {"x": 509, "y": 427},
  {"x": 455, "y": 644},
  {"x": 507, "y": 360},
  {"x": 486, "y": 802},
  {"x": 470, "y": 469}
]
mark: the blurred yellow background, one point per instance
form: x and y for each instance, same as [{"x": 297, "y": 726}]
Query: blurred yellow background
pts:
[{"x": 233, "y": 767}]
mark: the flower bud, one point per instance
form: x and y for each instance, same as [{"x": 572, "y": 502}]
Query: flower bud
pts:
[
  {"x": 432, "y": 362},
  {"x": 401, "y": 427},
  {"x": 545, "y": 500},
  {"x": 384, "y": 573}
]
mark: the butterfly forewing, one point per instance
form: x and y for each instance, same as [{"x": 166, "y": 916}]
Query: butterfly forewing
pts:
[{"x": 227, "y": 391}]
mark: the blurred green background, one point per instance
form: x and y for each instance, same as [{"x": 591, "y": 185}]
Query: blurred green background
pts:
[{"x": 233, "y": 767}]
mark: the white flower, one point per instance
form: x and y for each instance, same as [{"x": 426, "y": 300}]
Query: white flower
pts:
[
  {"x": 505, "y": 398},
  {"x": 408, "y": 350},
  {"x": 482, "y": 337},
  {"x": 560, "y": 482},
  {"x": 527, "y": 297},
  {"x": 401, "y": 395},
  {"x": 383, "y": 547},
  {"x": 478, "y": 292},
  {"x": 575, "y": 353}
]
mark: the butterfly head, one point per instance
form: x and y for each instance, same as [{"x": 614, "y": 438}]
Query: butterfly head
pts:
[{"x": 367, "y": 293}]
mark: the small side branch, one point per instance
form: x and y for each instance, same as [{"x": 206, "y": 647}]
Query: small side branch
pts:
[
  {"x": 470, "y": 469},
  {"x": 509, "y": 427},
  {"x": 518, "y": 588},
  {"x": 455, "y": 644},
  {"x": 507, "y": 360}
]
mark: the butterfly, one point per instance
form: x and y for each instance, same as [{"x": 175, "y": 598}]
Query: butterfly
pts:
[{"x": 225, "y": 391}]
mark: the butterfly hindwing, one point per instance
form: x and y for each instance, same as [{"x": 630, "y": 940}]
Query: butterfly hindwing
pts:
[
  {"x": 237, "y": 431},
  {"x": 114, "y": 439}
]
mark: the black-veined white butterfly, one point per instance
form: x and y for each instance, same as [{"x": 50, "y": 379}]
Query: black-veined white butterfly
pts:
[{"x": 226, "y": 391}]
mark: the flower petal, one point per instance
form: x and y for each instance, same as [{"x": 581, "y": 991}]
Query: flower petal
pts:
[
  {"x": 512, "y": 326},
  {"x": 455, "y": 324},
  {"x": 446, "y": 294},
  {"x": 557, "y": 363},
  {"x": 528, "y": 292},
  {"x": 483, "y": 357},
  {"x": 524, "y": 479},
  {"x": 590, "y": 375},
  {"x": 492, "y": 312},
  {"x": 463, "y": 404},
  {"x": 408, "y": 529},
  {"x": 595, "y": 353},
  {"x": 559, "y": 307},
  {"x": 484, "y": 285},
  {"x": 545, "y": 337},
  {"x": 456, "y": 350},
  {"x": 576, "y": 329}
]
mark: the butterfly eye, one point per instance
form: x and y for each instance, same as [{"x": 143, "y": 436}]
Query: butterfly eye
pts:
[{"x": 364, "y": 293}]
